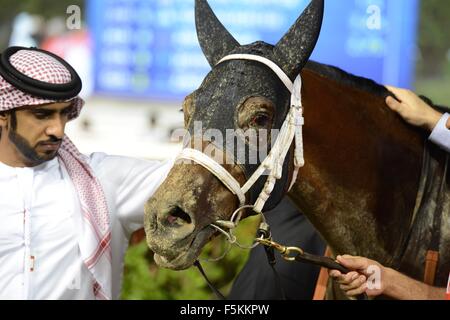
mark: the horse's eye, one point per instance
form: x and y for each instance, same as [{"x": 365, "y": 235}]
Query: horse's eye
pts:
[{"x": 260, "y": 120}]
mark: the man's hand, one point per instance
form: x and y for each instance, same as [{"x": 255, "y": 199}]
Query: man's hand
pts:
[
  {"x": 374, "y": 279},
  {"x": 413, "y": 109},
  {"x": 356, "y": 282}
]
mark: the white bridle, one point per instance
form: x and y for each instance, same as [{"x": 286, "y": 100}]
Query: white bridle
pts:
[{"x": 273, "y": 163}]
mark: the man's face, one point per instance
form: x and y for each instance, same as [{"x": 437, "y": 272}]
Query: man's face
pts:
[{"x": 35, "y": 133}]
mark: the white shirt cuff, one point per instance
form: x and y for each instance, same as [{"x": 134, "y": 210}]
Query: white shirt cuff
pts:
[{"x": 441, "y": 134}]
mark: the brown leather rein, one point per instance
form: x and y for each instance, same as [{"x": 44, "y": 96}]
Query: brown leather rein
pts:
[{"x": 291, "y": 254}]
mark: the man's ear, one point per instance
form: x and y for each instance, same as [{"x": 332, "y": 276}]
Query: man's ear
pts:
[
  {"x": 3, "y": 118},
  {"x": 4, "y": 122}
]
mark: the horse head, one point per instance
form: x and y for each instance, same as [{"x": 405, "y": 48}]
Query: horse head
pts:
[{"x": 238, "y": 95}]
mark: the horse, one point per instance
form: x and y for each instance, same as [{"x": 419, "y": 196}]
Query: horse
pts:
[{"x": 371, "y": 184}]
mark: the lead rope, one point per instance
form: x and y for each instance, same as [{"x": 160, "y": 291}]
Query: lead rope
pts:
[
  {"x": 288, "y": 253},
  {"x": 216, "y": 291},
  {"x": 299, "y": 255},
  {"x": 264, "y": 233}
]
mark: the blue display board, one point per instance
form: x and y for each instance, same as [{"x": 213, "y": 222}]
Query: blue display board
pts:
[{"x": 149, "y": 48}]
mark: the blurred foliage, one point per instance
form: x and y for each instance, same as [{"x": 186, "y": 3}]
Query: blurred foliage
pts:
[
  {"x": 144, "y": 280},
  {"x": 434, "y": 39},
  {"x": 436, "y": 88}
]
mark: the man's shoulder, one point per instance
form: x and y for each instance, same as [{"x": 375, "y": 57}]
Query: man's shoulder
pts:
[
  {"x": 95, "y": 158},
  {"x": 99, "y": 157},
  {"x": 102, "y": 162}
]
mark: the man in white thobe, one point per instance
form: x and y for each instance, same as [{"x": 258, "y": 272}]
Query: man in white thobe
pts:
[{"x": 65, "y": 218}]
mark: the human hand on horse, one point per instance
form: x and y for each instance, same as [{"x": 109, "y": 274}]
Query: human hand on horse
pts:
[
  {"x": 366, "y": 277},
  {"x": 374, "y": 279},
  {"x": 413, "y": 109}
]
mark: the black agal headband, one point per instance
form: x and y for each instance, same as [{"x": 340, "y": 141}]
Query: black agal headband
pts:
[{"x": 35, "y": 87}]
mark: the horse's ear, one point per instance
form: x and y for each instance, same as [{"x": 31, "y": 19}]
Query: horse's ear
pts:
[
  {"x": 215, "y": 40},
  {"x": 294, "y": 49}
]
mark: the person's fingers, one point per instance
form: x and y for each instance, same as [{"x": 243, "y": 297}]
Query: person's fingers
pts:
[
  {"x": 348, "y": 278},
  {"x": 357, "y": 291},
  {"x": 393, "y": 104},
  {"x": 353, "y": 263},
  {"x": 340, "y": 278},
  {"x": 404, "y": 95},
  {"x": 345, "y": 256},
  {"x": 335, "y": 274},
  {"x": 356, "y": 283},
  {"x": 397, "y": 91},
  {"x": 394, "y": 90}
]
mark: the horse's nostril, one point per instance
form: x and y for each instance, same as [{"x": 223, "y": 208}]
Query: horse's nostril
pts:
[{"x": 178, "y": 217}]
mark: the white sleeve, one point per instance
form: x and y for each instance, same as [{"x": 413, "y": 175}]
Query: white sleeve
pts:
[
  {"x": 130, "y": 182},
  {"x": 141, "y": 182},
  {"x": 441, "y": 134}
]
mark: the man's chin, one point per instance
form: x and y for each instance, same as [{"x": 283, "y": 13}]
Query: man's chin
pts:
[
  {"x": 41, "y": 158},
  {"x": 48, "y": 156}
]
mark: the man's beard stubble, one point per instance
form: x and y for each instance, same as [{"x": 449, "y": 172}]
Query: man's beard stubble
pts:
[{"x": 29, "y": 152}]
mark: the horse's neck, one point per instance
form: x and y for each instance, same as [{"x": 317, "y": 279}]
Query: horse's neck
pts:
[{"x": 362, "y": 170}]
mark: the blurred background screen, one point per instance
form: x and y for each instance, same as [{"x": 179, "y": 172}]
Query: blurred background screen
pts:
[{"x": 150, "y": 49}]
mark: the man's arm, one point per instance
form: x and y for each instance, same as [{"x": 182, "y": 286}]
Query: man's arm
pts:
[
  {"x": 374, "y": 279},
  {"x": 402, "y": 287},
  {"x": 416, "y": 112},
  {"x": 131, "y": 182}
]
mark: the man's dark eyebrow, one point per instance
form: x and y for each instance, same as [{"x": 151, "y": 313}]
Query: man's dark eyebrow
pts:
[
  {"x": 42, "y": 110},
  {"x": 51, "y": 111}
]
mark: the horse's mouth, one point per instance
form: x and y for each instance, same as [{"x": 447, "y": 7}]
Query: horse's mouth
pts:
[{"x": 189, "y": 254}]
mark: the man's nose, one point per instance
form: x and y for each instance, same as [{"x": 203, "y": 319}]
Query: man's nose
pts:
[{"x": 56, "y": 128}]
